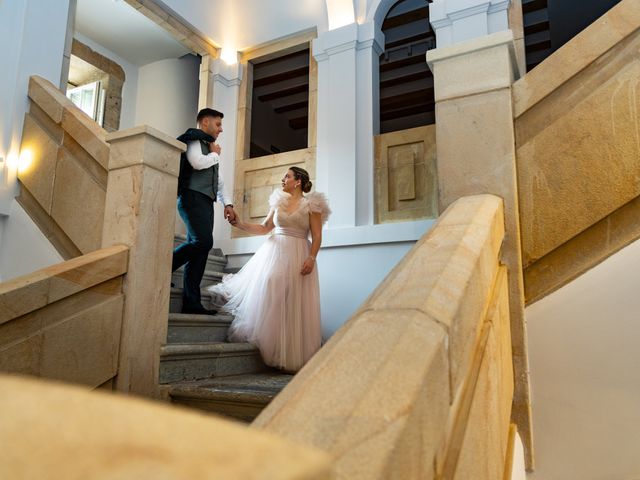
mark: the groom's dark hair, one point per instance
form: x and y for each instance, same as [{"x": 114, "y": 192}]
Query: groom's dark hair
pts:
[{"x": 208, "y": 112}]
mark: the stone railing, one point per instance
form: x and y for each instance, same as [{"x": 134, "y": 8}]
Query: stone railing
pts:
[
  {"x": 89, "y": 190},
  {"x": 64, "y": 321},
  {"x": 51, "y": 430},
  {"x": 419, "y": 382},
  {"x": 64, "y": 178},
  {"x": 578, "y": 153}
]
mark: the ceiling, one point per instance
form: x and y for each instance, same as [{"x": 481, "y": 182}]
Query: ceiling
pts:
[{"x": 118, "y": 27}]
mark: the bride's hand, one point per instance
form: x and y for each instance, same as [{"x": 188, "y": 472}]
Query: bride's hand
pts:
[{"x": 307, "y": 266}]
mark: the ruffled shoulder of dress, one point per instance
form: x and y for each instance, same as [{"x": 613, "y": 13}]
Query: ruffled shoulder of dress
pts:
[
  {"x": 318, "y": 204},
  {"x": 279, "y": 198}
]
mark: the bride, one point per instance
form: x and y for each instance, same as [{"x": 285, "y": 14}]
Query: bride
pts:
[{"x": 275, "y": 297}]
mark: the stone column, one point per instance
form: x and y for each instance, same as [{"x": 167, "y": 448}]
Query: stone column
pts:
[
  {"x": 476, "y": 154},
  {"x": 347, "y": 67},
  {"x": 224, "y": 81},
  {"x": 369, "y": 48},
  {"x": 140, "y": 201},
  {"x": 205, "y": 95}
]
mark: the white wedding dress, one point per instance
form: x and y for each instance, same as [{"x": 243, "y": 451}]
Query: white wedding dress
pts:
[{"x": 276, "y": 308}]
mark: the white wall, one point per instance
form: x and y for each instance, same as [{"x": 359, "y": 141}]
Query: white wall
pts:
[
  {"x": 34, "y": 33},
  {"x": 584, "y": 349},
  {"x": 348, "y": 275},
  {"x": 167, "y": 96},
  {"x": 130, "y": 87},
  {"x": 24, "y": 248}
]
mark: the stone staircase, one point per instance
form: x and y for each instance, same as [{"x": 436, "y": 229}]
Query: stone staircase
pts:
[{"x": 200, "y": 369}]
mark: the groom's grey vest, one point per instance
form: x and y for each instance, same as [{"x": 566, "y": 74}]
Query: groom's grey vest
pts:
[{"x": 205, "y": 181}]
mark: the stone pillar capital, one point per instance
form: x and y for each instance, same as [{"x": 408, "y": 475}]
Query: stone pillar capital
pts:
[
  {"x": 144, "y": 145},
  {"x": 335, "y": 41},
  {"x": 458, "y": 20},
  {"x": 489, "y": 60},
  {"x": 228, "y": 75},
  {"x": 370, "y": 37}
]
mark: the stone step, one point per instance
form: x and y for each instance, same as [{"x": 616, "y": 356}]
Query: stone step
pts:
[
  {"x": 189, "y": 328},
  {"x": 241, "y": 397},
  {"x": 207, "y": 298},
  {"x": 210, "y": 277},
  {"x": 195, "y": 361}
]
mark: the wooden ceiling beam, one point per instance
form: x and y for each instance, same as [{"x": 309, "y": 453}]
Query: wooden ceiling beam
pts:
[
  {"x": 291, "y": 107},
  {"x": 287, "y": 92},
  {"x": 280, "y": 77}
]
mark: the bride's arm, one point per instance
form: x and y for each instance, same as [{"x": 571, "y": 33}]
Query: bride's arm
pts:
[
  {"x": 257, "y": 228},
  {"x": 315, "y": 224}
]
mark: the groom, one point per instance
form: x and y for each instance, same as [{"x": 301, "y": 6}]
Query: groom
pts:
[{"x": 199, "y": 186}]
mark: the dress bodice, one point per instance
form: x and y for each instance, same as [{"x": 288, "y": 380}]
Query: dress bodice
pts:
[{"x": 297, "y": 222}]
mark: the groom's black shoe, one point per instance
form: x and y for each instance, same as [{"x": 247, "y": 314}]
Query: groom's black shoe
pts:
[{"x": 198, "y": 310}]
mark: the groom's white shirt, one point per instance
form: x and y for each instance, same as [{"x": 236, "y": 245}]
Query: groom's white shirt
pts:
[{"x": 200, "y": 161}]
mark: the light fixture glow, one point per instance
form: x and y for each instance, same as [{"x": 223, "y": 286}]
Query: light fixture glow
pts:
[
  {"x": 229, "y": 56},
  {"x": 24, "y": 160}
]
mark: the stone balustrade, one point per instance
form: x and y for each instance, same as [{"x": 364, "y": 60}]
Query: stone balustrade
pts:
[
  {"x": 88, "y": 190},
  {"x": 64, "y": 321},
  {"x": 577, "y": 152},
  {"x": 57, "y": 431},
  {"x": 419, "y": 382}
]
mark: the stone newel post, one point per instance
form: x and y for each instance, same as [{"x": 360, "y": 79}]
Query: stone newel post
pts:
[
  {"x": 140, "y": 213},
  {"x": 476, "y": 154}
]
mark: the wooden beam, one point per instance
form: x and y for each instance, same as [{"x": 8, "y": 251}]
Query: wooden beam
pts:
[
  {"x": 411, "y": 39},
  {"x": 405, "y": 18},
  {"x": 283, "y": 58},
  {"x": 291, "y": 107},
  {"x": 427, "y": 107},
  {"x": 299, "y": 123},
  {"x": 279, "y": 77},
  {"x": 287, "y": 92},
  {"x": 416, "y": 59},
  {"x": 533, "y": 5},
  {"x": 406, "y": 99},
  {"x": 407, "y": 78}
]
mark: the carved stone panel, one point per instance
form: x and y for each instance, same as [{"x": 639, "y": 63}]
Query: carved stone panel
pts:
[
  {"x": 257, "y": 178},
  {"x": 406, "y": 185}
]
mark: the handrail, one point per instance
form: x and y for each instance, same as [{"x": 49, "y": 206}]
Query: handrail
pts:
[
  {"x": 74, "y": 121},
  {"x": 38, "y": 289},
  {"x": 64, "y": 321},
  {"x": 576, "y": 154},
  {"x": 400, "y": 390},
  {"x": 66, "y": 147},
  {"x": 80, "y": 434},
  {"x": 569, "y": 60}
]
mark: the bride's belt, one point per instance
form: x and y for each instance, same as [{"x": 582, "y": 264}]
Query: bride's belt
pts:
[{"x": 291, "y": 232}]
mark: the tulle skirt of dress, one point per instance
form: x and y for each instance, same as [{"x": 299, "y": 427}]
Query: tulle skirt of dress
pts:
[{"x": 276, "y": 308}]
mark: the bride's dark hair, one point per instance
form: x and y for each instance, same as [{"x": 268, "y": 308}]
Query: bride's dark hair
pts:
[{"x": 302, "y": 175}]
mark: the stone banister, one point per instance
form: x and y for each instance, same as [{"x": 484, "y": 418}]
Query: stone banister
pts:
[
  {"x": 64, "y": 174},
  {"x": 576, "y": 129},
  {"x": 51, "y": 430},
  {"x": 419, "y": 382},
  {"x": 64, "y": 321}
]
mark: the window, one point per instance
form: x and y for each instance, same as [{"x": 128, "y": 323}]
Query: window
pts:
[
  {"x": 90, "y": 99},
  {"x": 406, "y": 83},
  {"x": 280, "y": 104}
]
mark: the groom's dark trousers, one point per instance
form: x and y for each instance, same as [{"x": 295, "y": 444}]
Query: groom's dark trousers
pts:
[{"x": 196, "y": 211}]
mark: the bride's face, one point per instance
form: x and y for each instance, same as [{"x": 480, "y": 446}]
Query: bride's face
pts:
[{"x": 289, "y": 182}]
